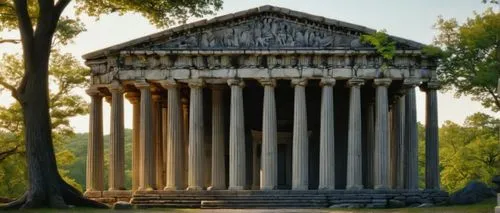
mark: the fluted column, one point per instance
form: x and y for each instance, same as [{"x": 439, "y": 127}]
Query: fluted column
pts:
[
  {"x": 134, "y": 98},
  {"x": 164, "y": 138},
  {"x": 117, "y": 140},
  {"x": 300, "y": 152},
  {"x": 95, "y": 150},
  {"x": 327, "y": 142},
  {"x": 370, "y": 144},
  {"x": 218, "y": 162},
  {"x": 157, "y": 140},
  {"x": 175, "y": 148},
  {"x": 399, "y": 128},
  {"x": 382, "y": 155},
  {"x": 411, "y": 137},
  {"x": 146, "y": 141},
  {"x": 185, "y": 140},
  {"x": 269, "y": 154},
  {"x": 196, "y": 142},
  {"x": 354, "y": 163},
  {"x": 237, "y": 168},
  {"x": 431, "y": 136}
]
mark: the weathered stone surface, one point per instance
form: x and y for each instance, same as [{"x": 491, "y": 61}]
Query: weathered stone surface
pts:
[
  {"x": 413, "y": 199},
  {"x": 425, "y": 205},
  {"x": 473, "y": 192},
  {"x": 93, "y": 194},
  {"x": 393, "y": 203},
  {"x": 122, "y": 205}
]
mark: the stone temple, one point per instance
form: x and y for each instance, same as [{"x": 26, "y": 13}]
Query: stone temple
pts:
[{"x": 266, "y": 107}]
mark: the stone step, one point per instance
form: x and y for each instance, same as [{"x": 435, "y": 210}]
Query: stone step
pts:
[
  {"x": 173, "y": 205},
  {"x": 222, "y": 204}
]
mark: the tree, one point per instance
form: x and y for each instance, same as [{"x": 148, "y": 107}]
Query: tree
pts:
[
  {"x": 37, "y": 23},
  {"x": 470, "y": 58},
  {"x": 469, "y": 151},
  {"x": 66, "y": 74}
]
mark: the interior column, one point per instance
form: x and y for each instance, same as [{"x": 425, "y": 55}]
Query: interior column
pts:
[{"x": 218, "y": 162}]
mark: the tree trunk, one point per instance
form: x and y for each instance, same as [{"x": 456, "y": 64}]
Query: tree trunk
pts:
[{"x": 46, "y": 187}]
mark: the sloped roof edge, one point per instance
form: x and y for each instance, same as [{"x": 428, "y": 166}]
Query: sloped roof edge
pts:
[{"x": 252, "y": 11}]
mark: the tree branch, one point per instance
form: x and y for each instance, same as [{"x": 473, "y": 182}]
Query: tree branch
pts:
[
  {"x": 12, "y": 41},
  {"x": 12, "y": 89},
  {"x": 25, "y": 25},
  {"x": 492, "y": 93},
  {"x": 5, "y": 154},
  {"x": 59, "y": 7}
]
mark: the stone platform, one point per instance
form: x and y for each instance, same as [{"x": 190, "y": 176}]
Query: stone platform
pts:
[{"x": 286, "y": 199}]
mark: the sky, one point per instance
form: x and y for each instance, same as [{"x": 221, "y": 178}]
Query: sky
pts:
[{"x": 409, "y": 19}]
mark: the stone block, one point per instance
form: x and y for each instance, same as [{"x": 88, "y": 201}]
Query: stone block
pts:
[
  {"x": 117, "y": 193},
  {"x": 120, "y": 205},
  {"x": 376, "y": 206},
  {"x": 93, "y": 194},
  {"x": 106, "y": 200},
  {"x": 413, "y": 199},
  {"x": 393, "y": 203}
]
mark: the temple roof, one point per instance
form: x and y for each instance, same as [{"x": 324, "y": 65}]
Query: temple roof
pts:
[{"x": 265, "y": 27}]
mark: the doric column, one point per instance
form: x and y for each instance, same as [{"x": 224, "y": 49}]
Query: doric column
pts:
[
  {"x": 157, "y": 140},
  {"x": 411, "y": 136},
  {"x": 382, "y": 155},
  {"x": 146, "y": 141},
  {"x": 117, "y": 140},
  {"x": 218, "y": 162},
  {"x": 300, "y": 158},
  {"x": 354, "y": 163},
  {"x": 398, "y": 131},
  {"x": 134, "y": 98},
  {"x": 95, "y": 150},
  {"x": 164, "y": 138},
  {"x": 370, "y": 144},
  {"x": 237, "y": 168},
  {"x": 185, "y": 140},
  {"x": 269, "y": 153},
  {"x": 431, "y": 136},
  {"x": 196, "y": 142},
  {"x": 175, "y": 145},
  {"x": 327, "y": 142}
]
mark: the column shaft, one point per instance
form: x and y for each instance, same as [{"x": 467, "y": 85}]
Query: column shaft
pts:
[
  {"x": 370, "y": 144},
  {"x": 175, "y": 148},
  {"x": 300, "y": 152},
  {"x": 237, "y": 164},
  {"x": 146, "y": 141},
  {"x": 382, "y": 154},
  {"x": 411, "y": 138},
  {"x": 196, "y": 134},
  {"x": 399, "y": 137},
  {"x": 157, "y": 139},
  {"x": 431, "y": 137},
  {"x": 95, "y": 150},
  {"x": 354, "y": 163},
  {"x": 327, "y": 142},
  {"x": 136, "y": 116},
  {"x": 218, "y": 162},
  {"x": 269, "y": 154},
  {"x": 117, "y": 140}
]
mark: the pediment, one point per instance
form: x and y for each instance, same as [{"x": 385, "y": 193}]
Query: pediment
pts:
[{"x": 266, "y": 27}]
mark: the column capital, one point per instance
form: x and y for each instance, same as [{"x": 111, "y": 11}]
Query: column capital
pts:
[
  {"x": 115, "y": 86},
  {"x": 93, "y": 91},
  {"x": 169, "y": 83},
  {"x": 355, "y": 82},
  {"x": 142, "y": 85},
  {"x": 383, "y": 82},
  {"x": 196, "y": 83},
  {"x": 133, "y": 97},
  {"x": 299, "y": 82},
  {"x": 156, "y": 97},
  {"x": 108, "y": 99},
  {"x": 330, "y": 82},
  {"x": 430, "y": 85},
  {"x": 267, "y": 82},
  {"x": 410, "y": 82},
  {"x": 236, "y": 82}
]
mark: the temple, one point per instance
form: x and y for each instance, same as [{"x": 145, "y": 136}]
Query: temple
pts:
[{"x": 263, "y": 102}]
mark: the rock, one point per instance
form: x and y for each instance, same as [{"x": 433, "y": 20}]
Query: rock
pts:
[
  {"x": 473, "y": 192},
  {"x": 425, "y": 205},
  {"x": 122, "y": 205},
  {"x": 393, "y": 203},
  {"x": 496, "y": 180},
  {"x": 413, "y": 199}
]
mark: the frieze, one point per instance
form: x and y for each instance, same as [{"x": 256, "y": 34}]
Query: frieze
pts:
[{"x": 261, "y": 32}]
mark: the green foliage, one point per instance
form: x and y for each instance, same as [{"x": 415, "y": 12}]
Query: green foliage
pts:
[
  {"x": 469, "y": 152},
  {"x": 470, "y": 62},
  {"x": 383, "y": 44},
  {"x": 66, "y": 75}
]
